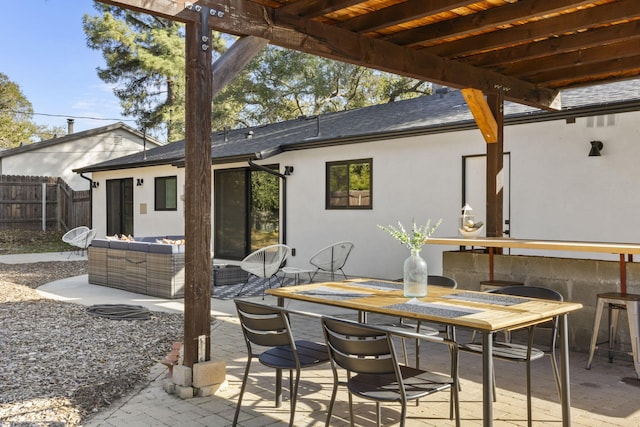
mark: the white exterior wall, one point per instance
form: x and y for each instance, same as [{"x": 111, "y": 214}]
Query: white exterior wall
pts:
[
  {"x": 557, "y": 191},
  {"x": 561, "y": 193},
  {"x": 60, "y": 159},
  {"x": 151, "y": 223},
  {"x": 416, "y": 177}
]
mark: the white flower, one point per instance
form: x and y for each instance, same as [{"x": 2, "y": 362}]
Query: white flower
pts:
[{"x": 416, "y": 238}]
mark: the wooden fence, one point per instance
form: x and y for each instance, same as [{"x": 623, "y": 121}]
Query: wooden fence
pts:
[{"x": 24, "y": 199}]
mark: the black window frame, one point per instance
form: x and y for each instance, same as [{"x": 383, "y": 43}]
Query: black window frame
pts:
[
  {"x": 157, "y": 186},
  {"x": 347, "y": 164}
]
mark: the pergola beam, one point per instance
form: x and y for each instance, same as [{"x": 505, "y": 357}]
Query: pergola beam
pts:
[
  {"x": 293, "y": 32},
  {"x": 482, "y": 114}
]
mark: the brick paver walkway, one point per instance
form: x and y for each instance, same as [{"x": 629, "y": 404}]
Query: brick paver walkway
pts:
[{"x": 608, "y": 394}]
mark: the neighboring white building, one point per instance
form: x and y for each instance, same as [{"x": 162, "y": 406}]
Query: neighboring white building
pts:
[
  {"x": 427, "y": 160},
  {"x": 59, "y": 156}
]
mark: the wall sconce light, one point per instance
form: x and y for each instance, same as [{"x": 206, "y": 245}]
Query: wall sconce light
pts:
[
  {"x": 139, "y": 182},
  {"x": 95, "y": 184},
  {"x": 288, "y": 170},
  {"x": 596, "y": 147}
]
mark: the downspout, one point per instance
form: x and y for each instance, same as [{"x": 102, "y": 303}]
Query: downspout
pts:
[
  {"x": 253, "y": 165},
  {"x": 90, "y": 198}
]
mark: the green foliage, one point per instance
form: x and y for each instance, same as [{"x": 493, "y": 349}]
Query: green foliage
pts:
[
  {"x": 416, "y": 238},
  {"x": 145, "y": 59},
  {"x": 282, "y": 84},
  {"x": 360, "y": 176},
  {"x": 16, "y": 126}
]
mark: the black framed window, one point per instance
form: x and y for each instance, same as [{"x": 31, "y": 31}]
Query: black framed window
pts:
[
  {"x": 166, "y": 193},
  {"x": 349, "y": 184}
]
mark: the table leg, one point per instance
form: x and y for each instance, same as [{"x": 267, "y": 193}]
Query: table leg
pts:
[
  {"x": 564, "y": 370},
  {"x": 279, "y": 371},
  {"x": 487, "y": 379},
  {"x": 278, "y": 388}
]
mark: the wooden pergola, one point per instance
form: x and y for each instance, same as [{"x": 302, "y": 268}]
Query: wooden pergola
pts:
[{"x": 524, "y": 51}]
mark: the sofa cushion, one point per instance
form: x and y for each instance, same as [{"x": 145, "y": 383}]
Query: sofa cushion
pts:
[
  {"x": 139, "y": 246},
  {"x": 100, "y": 243},
  {"x": 119, "y": 244}
]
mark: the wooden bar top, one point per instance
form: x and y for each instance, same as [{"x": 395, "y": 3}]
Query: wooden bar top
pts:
[{"x": 558, "y": 245}]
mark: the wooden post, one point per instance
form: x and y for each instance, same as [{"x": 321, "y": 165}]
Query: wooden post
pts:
[
  {"x": 495, "y": 171},
  {"x": 197, "y": 295}
]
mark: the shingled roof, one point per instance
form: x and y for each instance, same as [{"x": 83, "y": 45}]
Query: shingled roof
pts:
[{"x": 444, "y": 111}]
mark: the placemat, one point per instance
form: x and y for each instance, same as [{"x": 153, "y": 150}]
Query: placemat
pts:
[
  {"x": 374, "y": 284},
  {"x": 440, "y": 310},
  {"x": 488, "y": 298},
  {"x": 333, "y": 294}
]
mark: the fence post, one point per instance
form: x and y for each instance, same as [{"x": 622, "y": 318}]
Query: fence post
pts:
[
  {"x": 44, "y": 206},
  {"x": 58, "y": 206}
]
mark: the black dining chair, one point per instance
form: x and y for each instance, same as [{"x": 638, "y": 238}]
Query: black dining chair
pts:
[
  {"x": 368, "y": 355},
  {"x": 514, "y": 352},
  {"x": 269, "y": 326}
]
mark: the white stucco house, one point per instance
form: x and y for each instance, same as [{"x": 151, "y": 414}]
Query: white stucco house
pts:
[
  {"x": 415, "y": 159},
  {"x": 58, "y": 157}
]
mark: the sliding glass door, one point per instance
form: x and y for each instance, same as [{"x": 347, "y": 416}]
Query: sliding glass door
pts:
[
  {"x": 247, "y": 212},
  {"x": 120, "y": 206}
]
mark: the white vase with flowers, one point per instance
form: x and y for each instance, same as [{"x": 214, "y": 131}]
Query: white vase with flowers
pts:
[{"x": 415, "y": 272}]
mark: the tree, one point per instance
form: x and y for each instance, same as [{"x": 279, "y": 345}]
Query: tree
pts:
[
  {"x": 145, "y": 58},
  {"x": 283, "y": 84},
  {"x": 16, "y": 126}
]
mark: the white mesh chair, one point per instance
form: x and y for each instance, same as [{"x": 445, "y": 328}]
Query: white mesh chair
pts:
[
  {"x": 331, "y": 259},
  {"x": 74, "y": 235},
  {"x": 264, "y": 263},
  {"x": 83, "y": 240}
]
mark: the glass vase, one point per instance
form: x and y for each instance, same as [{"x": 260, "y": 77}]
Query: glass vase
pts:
[{"x": 415, "y": 275}]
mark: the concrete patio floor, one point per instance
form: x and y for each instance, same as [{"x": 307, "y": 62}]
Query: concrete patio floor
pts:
[{"x": 608, "y": 394}]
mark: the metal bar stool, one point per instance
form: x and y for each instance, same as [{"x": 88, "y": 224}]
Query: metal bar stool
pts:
[{"x": 616, "y": 301}]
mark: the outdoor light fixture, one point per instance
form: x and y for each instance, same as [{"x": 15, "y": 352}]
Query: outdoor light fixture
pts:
[
  {"x": 139, "y": 182},
  {"x": 288, "y": 170},
  {"x": 596, "y": 147},
  {"x": 95, "y": 184}
]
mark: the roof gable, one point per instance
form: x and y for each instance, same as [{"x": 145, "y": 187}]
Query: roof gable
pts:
[{"x": 77, "y": 136}]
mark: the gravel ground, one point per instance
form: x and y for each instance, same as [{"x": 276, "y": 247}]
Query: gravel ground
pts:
[{"x": 61, "y": 364}]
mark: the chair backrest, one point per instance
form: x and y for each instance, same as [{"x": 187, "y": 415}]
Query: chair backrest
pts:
[
  {"x": 333, "y": 257},
  {"x": 359, "y": 348},
  {"x": 70, "y": 235},
  {"x": 443, "y": 281},
  {"x": 84, "y": 240},
  {"x": 265, "y": 262},
  {"x": 529, "y": 291},
  {"x": 264, "y": 325},
  {"x": 534, "y": 292}
]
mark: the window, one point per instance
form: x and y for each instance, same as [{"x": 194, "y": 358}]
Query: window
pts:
[
  {"x": 166, "y": 193},
  {"x": 349, "y": 184}
]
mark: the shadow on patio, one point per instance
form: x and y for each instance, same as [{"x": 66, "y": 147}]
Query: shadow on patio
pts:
[{"x": 599, "y": 396}]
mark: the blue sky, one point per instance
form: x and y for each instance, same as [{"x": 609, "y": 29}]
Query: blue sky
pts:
[{"x": 43, "y": 50}]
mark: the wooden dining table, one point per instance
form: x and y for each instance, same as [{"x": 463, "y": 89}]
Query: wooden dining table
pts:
[{"x": 483, "y": 312}]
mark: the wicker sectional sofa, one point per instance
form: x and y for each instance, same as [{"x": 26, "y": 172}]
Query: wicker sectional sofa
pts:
[{"x": 142, "y": 266}]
